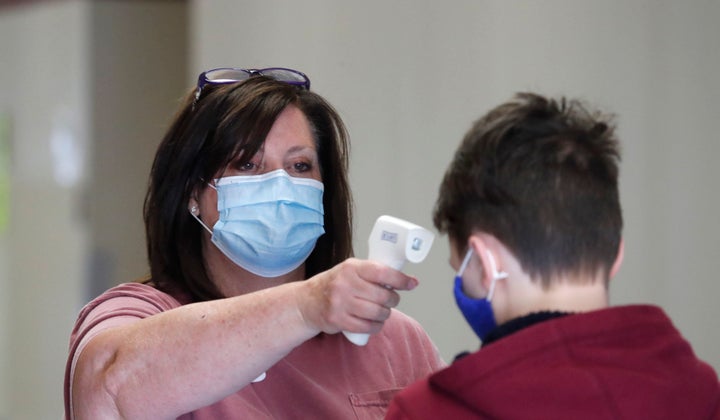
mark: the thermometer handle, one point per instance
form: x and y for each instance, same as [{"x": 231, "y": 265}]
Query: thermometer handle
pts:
[{"x": 361, "y": 339}]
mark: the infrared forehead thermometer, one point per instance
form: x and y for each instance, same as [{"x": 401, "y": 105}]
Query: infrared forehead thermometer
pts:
[{"x": 392, "y": 242}]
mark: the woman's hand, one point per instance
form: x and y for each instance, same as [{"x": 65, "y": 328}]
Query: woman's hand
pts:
[{"x": 355, "y": 295}]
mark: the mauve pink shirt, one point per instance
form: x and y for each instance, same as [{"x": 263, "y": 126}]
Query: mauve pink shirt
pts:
[{"x": 327, "y": 377}]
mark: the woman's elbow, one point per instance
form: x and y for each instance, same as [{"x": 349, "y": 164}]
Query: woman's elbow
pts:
[{"x": 96, "y": 384}]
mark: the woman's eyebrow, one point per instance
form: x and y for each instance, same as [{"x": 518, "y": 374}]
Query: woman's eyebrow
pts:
[{"x": 300, "y": 148}]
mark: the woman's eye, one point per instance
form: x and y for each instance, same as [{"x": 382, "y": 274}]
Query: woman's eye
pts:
[
  {"x": 247, "y": 166},
  {"x": 301, "y": 167}
]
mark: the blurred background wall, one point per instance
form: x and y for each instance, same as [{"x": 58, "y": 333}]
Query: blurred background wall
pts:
[{"x": 88, "y": 87}]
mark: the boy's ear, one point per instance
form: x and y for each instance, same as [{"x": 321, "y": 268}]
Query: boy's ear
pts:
[
  {"x": 480, "y": 248},
  {"x": 489, "y": 259}
]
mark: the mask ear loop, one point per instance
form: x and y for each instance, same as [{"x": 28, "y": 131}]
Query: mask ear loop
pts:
[
  {"x": 193, "y": 209},
  {"x": 201, "y": 222},
  {"x": 465, "y": 262},
  {"x": 496, "y": 275}
]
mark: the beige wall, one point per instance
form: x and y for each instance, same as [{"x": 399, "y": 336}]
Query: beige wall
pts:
[
  {"x": 45, "y": 95},
  {"x": 97, "y": 82},
  {"x": 139, "y": 64},
  {"x": 410, "y": 76},
  {"x": 88, "y": 88}
]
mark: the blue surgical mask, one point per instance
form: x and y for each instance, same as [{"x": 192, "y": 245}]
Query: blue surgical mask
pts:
[
  {"x": 477, "y": 312},
  {"x": 268, "y": 224}
]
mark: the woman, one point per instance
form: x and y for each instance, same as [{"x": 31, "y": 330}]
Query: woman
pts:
[{"x": 248, "y": 195}]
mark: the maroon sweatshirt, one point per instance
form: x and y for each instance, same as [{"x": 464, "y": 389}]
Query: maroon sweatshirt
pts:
[{"x": 617, "y": 363}]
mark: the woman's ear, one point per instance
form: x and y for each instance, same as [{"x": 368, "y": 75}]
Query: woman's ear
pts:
[
  {"x": 193, "y": 207},
  {"x": 618, "y": 259}
]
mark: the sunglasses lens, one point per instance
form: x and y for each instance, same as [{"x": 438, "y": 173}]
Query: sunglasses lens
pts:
[
  {"x": 226, "y": 75},
  {"x": 288, "y": 76}
]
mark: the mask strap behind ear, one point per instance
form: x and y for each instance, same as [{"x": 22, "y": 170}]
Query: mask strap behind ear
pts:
[
  {"x": 465, "y": 262},
  {"x": 496, "y": 275}
]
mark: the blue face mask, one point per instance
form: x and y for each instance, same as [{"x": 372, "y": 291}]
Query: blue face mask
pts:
[
  {"x": 477, "y": 312},
  {"x": 268, "y": 224}
]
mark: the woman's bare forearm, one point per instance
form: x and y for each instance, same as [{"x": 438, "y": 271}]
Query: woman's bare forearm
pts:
[{"x": 189, "y": 357}]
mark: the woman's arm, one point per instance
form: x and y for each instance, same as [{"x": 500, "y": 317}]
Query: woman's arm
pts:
[{"x": 192, "y": 356}]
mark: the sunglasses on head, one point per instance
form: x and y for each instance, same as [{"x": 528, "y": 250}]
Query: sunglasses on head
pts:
[{"x": 225, "y": 75}]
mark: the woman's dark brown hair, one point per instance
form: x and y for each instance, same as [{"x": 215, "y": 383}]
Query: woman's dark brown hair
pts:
[{"x": 228, "y": 121}]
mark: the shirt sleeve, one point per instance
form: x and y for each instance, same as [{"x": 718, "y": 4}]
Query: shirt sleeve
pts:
[
  {"x": 118, "y": 306},
  {"x": 417, "y": 338}
]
